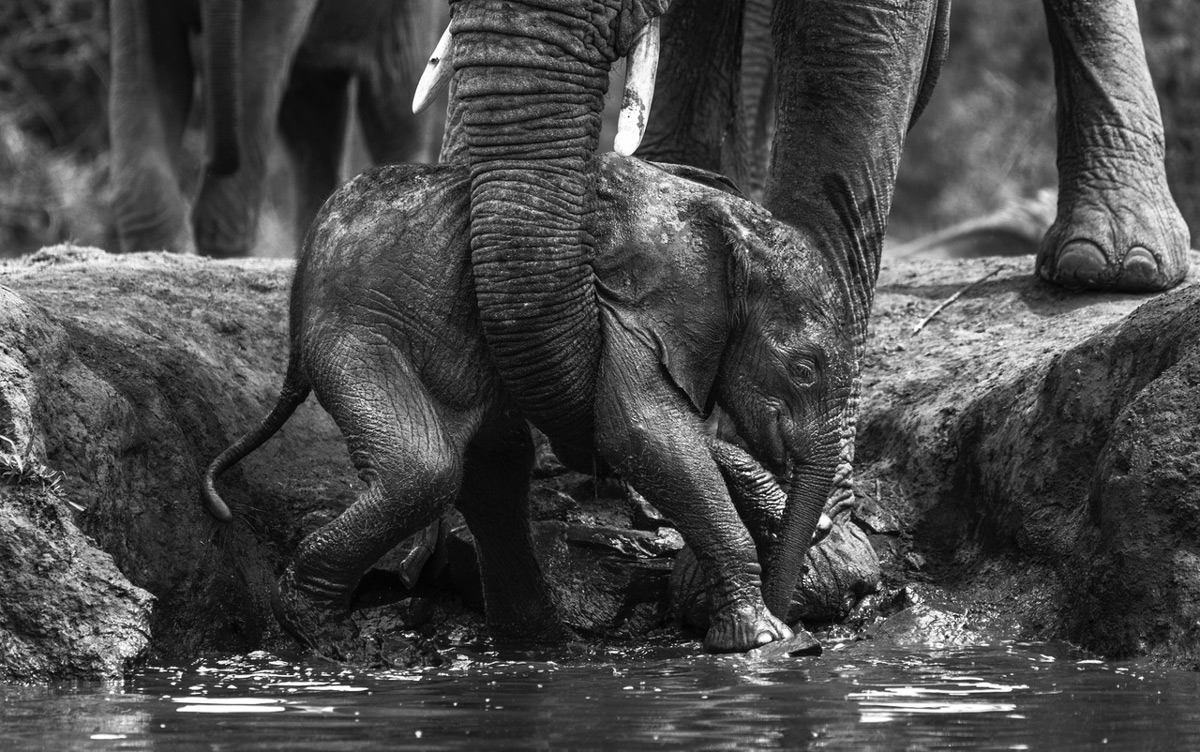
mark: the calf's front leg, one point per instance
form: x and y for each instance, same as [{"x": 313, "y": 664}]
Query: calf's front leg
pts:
[{"x": 649, "y": 432}]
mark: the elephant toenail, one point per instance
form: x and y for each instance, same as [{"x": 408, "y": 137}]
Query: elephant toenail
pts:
[
  {"x": 763, "y": 638},
  {"x": 1140, "y": 270},
  {"x": 1080, "y": 262}
]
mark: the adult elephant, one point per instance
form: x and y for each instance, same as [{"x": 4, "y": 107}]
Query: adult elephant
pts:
[
  {"x": 715, "y": 90},
  {"x": 263, "y": 65},
  {"x": 1117, "y": 226}
]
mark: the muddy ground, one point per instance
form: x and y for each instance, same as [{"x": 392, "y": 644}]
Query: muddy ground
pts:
[{"x": 1027, "y": 469}]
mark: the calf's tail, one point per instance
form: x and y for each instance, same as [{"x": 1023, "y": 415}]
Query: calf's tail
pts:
[{"x": 295, "y": 390}]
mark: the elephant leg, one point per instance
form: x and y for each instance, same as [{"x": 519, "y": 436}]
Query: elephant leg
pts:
[
  {"x": 312, "y": 122},
  {"x": 225, "y": 217},
  {"x": 149, "y": 98},
  {"x": 495, "y": 503},
  {"x": 653, "y": 438},
  {"x": 392, "y": 132},
  {"x": 412, "y": 467},
  {"x": 758, "y": 93},
  {"x": 696, "y": 118},
  {"x": 848, "y": 79},
  {"x": 1118, "y": 228}
]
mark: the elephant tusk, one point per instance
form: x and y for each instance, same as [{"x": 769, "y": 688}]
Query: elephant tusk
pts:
[
  {"x": 824, "y": 525},
  {"x": 437, "y": 73},
  {"x": 641, "y": 68}
]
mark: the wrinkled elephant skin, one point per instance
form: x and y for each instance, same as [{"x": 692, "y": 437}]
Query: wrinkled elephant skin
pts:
[
  {"x": 1118, "y": 227},
  {"x": 263, "y": 65},
  {"x": 705, "y": 300}
]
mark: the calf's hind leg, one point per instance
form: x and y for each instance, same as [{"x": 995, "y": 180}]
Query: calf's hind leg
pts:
[
  {"x": 495, "y": 503},
  {"x": 404, "y": 452}
]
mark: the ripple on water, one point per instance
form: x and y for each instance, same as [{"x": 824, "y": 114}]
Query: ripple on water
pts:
[{"x": 856, "y": 696}]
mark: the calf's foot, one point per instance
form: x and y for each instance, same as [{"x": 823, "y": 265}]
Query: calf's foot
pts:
[
  {"x": 319, "y": 622},
  {"x": 744, "y": 626}
]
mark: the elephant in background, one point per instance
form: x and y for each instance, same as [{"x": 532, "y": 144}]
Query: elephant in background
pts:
[
  {"x": 705, "y": 302},
  {"x": 1118, "y": 226},
  {"x": 715, "y": 90},
  {"x": 262, "y": 65}
]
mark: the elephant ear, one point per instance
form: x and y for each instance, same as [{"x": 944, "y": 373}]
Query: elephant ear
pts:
[
  {"x": 677, "y": 287},
  {"x": 662, "y": 280},
  {"x": 679, "y": 324}
]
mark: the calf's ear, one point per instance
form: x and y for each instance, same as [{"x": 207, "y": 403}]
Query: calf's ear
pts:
[
  {"x": 688, "y": 335},
  {"x": 691, "y": 340}
]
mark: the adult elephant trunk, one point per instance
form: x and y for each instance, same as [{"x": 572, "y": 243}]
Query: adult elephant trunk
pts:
[
  {"x": 808, "y": 490},
  {"x": 851, "y": 78},
  {"x": 532, "y": 83},
  {"x": 222, "y": 34}
]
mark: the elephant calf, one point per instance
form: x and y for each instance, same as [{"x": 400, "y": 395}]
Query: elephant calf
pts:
[{"x": 705, "y": 301}]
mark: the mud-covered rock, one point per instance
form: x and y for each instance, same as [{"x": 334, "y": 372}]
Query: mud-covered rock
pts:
[
  {"x": 840, "y": 571},
  {"x": 1098, "y": 468},
  {"x": 124, "y": 376},
  {"x": 610, "y": 581},
  {"x": 66, "y": 612},
  {"x": 1040, "y": 450}
]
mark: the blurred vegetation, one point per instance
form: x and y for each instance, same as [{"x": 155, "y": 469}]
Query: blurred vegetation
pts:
[
  {"x": 987, "y": 138},
  {"x": 53, "y": 68},
  {"x": 53, "y": 132}
]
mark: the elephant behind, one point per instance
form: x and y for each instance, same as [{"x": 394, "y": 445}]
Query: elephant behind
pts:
[{"x": 263, "y": 65}]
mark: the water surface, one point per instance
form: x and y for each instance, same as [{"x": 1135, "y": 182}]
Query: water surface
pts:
[{"x": 860, "y": 696}]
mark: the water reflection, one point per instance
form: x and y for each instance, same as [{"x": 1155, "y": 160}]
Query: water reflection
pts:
[{"x": 856, "y": 696}]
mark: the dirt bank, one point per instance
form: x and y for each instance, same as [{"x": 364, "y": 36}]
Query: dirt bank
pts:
[{"x": 1029, "y": 454}]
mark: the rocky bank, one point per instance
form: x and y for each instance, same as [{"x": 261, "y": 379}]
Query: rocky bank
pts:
[{"x": 1027, "y": 468}]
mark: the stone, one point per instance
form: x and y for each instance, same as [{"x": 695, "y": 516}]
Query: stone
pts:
[
  {"x": 1048, "y": 450},
  {"x": 841, "y": 570},
  {"x": 66, "y": 611},
  {"x": 124, "y": 376}
]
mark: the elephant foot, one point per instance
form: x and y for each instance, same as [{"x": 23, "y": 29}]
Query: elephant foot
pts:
[
  {"x": 1126, "y": 237},
  {"x": 524, "y": 619},
  {"x": 214, "y": 243},
  {"x": 742, "y": 627},
  {"x": 319, "y": 623},
  {"x": 225, "y": 219},
  {"x": 150, "y": 212},
  {"x": 173, "y": 239}
]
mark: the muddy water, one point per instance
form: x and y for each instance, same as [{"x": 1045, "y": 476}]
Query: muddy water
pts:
[{"x": 858, "y": 696}]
